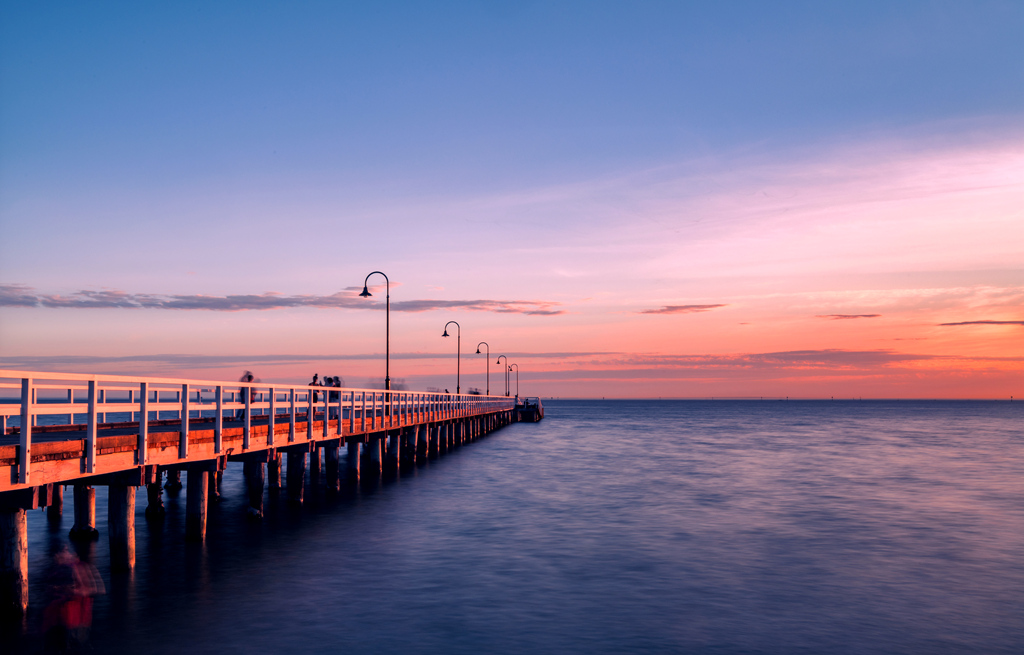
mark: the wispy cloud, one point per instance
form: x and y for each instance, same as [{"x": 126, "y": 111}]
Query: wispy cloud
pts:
[
  {"x": 983, "y": 323},
  {"x": 17, "y": 295},
  {"x": 681, "y": 309},
  {"x": 840, "y": 317}
]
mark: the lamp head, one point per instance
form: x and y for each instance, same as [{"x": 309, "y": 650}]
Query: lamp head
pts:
[
  {"x": 445, "y": 333},
  {"x": 366, "y": 292},
  {"x": 478, "y": 350}
]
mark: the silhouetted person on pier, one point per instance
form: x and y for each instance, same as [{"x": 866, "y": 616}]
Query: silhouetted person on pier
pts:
[
  {"x": 246, "y": 377},
  {"x": 333, "y": 398},
  {"x": 315, "y": 383}
]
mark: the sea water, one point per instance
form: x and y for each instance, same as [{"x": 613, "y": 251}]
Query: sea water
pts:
[{"x": 609, "y": 527}]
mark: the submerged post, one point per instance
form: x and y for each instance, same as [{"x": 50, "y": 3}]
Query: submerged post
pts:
[
  {"x": 121, "y": 526},
  {"x": 84, "y": 528},
  {"x": 274, "y": 472},
  {"x": 394, "y": 449},
  {"x": 155, "y": 501},
  {"x": 196, "y": 504},
  {"x": 332, "y": 458},
  {"x": 56, "y": 506},
  {"x": 254, "y": 479},
  {"x": 13, "y": 561},
  {"x": 296, "y": 475},
  {"x": 352, "y": 460}
]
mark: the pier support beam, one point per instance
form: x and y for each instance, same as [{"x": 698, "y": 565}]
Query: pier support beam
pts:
[
  {"x": 332, "y": 457},
  {"x": 121, "y": 526},
  {"x": 84, "y": 528},
  {"x": 254, "y": 480},
  {"x": 213, "y": 479},
  {"x": 296, "y": 475},
  {"x": 353, "y": 461},
  {"x": 373, "y": 464},
  {"x": 196, "y": 505},
  {"x": 418, "y": 442},
  {"x": 274, "y": 472},
  {"x": 409, "y": 448},
  {"x": 56, "y": 507},
  {"x": 315, "y": 465},
  {"x": 394, "y": 450},
  {"x": 155, "y": 501},
  {"x": 13, "y": 561},
  {"x": 173, "y": 483}
]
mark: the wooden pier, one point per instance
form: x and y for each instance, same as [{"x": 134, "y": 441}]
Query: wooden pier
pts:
[{"x": 129, "y": 432}]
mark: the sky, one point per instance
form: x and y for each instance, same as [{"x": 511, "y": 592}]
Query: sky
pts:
[{"x": 642, "y": 199}]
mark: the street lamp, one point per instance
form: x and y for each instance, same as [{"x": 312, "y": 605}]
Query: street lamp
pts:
[
  {"x": 517, "y": 376},
  {"x": 488, "y": 358},
  {"x": 458, "y": 354},
  {"x": 387, "y": 326},
  {"x": 506, "y": 371}
]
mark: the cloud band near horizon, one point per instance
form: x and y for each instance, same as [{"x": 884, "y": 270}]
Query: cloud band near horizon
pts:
[
  {"x": 681, "y": 309},
  {"x": 17, "y": 295}
]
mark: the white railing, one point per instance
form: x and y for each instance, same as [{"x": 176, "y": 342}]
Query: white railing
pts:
[{"x": 62, "y": 398}]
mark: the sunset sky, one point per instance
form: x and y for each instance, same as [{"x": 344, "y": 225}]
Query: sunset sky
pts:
[{"x": 627, "y": 199}]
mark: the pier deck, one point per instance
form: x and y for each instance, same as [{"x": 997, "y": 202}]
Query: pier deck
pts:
[{"x": 60, "y": 429}]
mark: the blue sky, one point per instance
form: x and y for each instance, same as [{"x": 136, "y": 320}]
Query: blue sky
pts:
[{"x": 253, "y": 148}]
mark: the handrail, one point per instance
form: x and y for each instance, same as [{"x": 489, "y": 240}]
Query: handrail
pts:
[{"x": 148, "y": 397}]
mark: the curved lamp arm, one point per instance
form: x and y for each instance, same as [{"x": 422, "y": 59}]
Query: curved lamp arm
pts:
[
  {"x": 484, "y": 343},
  {"x": 387, "y": 325},
  {"x": 458, "y": 355}
]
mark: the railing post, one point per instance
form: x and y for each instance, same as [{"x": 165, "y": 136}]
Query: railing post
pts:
[
  {"x": 351, "y": 412},
  {"x": 25, "y": 440},
  {"x": 246, "y": 416},
  {"x": 309, "y": 416},
  {"x": 90, "y": 430},
  {"x": 327, "y": 412},
  {"x": 218, "y": 421},
  {"x": 271, "y": 420},
  {"x": 341, "y": 413},
  {"x": 183, "y": 444},
  {"x": 143, "y": 422},
  {"x": 291, "y": 416},
  {"x": 364, "y": 412}
]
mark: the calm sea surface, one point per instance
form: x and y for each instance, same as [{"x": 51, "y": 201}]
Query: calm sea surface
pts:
[{"x": 618, "y": 526}]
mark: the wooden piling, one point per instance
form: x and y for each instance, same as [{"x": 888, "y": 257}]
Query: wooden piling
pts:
[
  {"x": 121, "y": 526},
  {"x": 173, "y": 481},
  {"x": 13, "y": 561},
  {"x": 84, "y": 528},
  {"x": 415, "y": 439},
  {"x": 409, "y": 447},
  {"x": 56, "y": 506},
  {"x": 373, "y": 463},
  {"x": 254, "y": 480},
  {"x": 433, "y": 437},
  {"x": 154, "y": 500},
  {"x": 274, "y": 472},
  {"x": 352, "y": 461},
  {"x": 332, "y": 458},
  {"x": 213, "y": 493},
  {"x": 394, "y": 449},
  {"x": 315, "y": 466},
  {"x": 296, "y": 475},
  {"x": 196, "y": 505}
]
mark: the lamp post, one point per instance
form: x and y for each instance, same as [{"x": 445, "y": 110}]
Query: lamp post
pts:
[
  {"x": 488, "y": 358},
  {"x": 387, "y": 326},
  {"x": 506, "y": 371},
  {"x": 517, "y": 376},
  {"x": 458, "y": 354}
]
